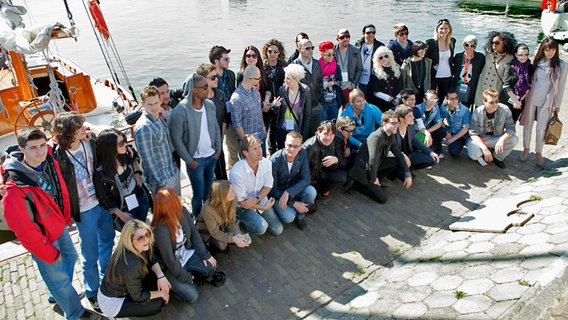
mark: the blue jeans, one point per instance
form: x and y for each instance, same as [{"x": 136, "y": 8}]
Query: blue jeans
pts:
[
  {"x": 96, "y": 232},
  {"x": 456, "y": 147},
  {"x": 250, "y": 221},
  {"x": 201, "y": 179},
  {"x": 330, "y": 110},
  {"x": 287, "y": 215},
  {"x": 58, "y": 276}
]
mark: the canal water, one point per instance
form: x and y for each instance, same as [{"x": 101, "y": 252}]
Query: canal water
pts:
[{"x": 170, "y": 38}]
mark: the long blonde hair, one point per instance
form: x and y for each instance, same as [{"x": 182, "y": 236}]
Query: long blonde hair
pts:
[
  {"x": 226, "y": 209},
  {"x": 378, "y": 66},
  {"x": 126, "y": 243},
  {"x": 448, "y": 39}
]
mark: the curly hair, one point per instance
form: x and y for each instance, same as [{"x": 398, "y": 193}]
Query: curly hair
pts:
[
  {"x": 279, "y": 45},
  {"x": 65, "y": 125},
  {"x": 378, "y": 67},
  {"x": 507, "y": 38}
]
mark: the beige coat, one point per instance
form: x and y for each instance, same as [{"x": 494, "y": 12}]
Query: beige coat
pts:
[{"x": 209, "y": 222}]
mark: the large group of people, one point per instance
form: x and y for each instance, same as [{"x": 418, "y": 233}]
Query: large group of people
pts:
[{"x": 261, "y": 147}]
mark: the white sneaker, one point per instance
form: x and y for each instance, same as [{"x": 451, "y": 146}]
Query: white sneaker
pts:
[
  {"x": 482, "y": 162},
  {"x": 441, "y": 156},
  {"x": 248, "y": 238}
]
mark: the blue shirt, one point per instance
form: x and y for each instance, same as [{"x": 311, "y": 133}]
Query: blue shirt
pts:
[
  {"x": 367, "y": 122},
  {"x": 457, "y": 120},
  {"x": 433, "y": 118},
  {"x": 246, "y": 111}
]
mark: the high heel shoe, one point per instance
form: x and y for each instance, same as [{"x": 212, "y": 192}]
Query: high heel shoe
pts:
[
  {"x": 525, "y": 155},
  {"x": 539, "y": 159}
]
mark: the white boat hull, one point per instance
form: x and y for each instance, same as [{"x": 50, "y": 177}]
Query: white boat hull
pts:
[{"x": 555, "y": 25}]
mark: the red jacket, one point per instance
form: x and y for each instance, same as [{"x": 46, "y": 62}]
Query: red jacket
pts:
[{"x": 24, "y": 200}]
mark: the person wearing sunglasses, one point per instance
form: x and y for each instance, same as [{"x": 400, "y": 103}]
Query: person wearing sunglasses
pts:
[
  {"x": 492, "y": 131},
  {"x": 372, "y": 162},
  {"x": 400, "y": 46},
  {"x": 118, "y": 180},
  {"x": 499, "y": 51},
  {"x": 76, "y": 153},
  {"x": 457, "y": 121},
  {"x": 196, "y": 137},
  {"x": 367, "y": 46},
  {"x": 293, "y": 194},
  {"x": 134, "y": 285},
  {"x": 313, "y": 79},
  {"x": 416, "y": 70},
  {"x": 214, "y": 94},
  {"x": 349, "y": 60},
  {"x": 441, "y": 52},
  {"x": 274, "y": 63},
  {"x": 296, "y": 53},
  {"x": 332, "y": 93},
  {"x": 545, "y": 96},
  {"x": 468, "y": 66},
  {"x": 386, "y": 80},
  {"x": 517, "y": 81},
  {"x": 345, "y": 127},
  {"x": 251, "y": 57}
]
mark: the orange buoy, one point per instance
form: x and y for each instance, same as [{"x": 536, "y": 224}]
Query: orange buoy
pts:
[{"x": 98, "y": 18}]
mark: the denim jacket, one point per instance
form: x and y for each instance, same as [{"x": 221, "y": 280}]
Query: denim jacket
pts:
[
  {"x": 459, "y": 119},
  {"x": 503, "y": 121}
]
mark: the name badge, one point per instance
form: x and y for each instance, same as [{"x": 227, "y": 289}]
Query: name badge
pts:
[
  {"x": 463, "y": 89},
  {"x": 289, "y": 125},
  {"x": 345, "y": 76},
  {"x": 131, "y": 202},
  {"x": 91, "y": 189}
]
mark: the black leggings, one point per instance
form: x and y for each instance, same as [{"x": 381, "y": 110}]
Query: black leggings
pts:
[{"x": 131, "y": 308}]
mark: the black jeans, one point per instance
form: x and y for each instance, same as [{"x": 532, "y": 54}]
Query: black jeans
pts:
[
  {"x": 329, "y": 179},
  {"x": 130, "y": 308}
]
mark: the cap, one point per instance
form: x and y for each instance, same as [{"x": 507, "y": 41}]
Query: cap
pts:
[{"x": 342, "y": 32}]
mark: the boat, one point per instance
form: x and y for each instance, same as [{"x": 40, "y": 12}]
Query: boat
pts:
[
  {"x": 554, "y": 22},
  {"x": 36, "y": 84}
]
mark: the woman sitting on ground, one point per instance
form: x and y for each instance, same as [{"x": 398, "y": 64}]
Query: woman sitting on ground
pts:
[
  {"x": 128, "y": 288},
  {"x": 179, "y": 246},
  {"x": 118, "y": 179},
  {"x": 218, "y": 220}
]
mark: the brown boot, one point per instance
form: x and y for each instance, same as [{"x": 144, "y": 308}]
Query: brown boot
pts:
[
  {"x": 525, "y": 154},
  {"x": 539, "y": 159}
]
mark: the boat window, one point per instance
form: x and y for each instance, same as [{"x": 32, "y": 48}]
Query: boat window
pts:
[{"x": 7, "y": 76}]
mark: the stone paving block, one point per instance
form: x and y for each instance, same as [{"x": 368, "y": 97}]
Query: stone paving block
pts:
[
  {"x": 507, "y": 249},
  {"x": 534, "y": 239},
  {"x": 472, "y": 304},
  {"x": 410, "y": 310},
  {"x": 508, "y": 274},
  {"x": 480, "y": 247},
  {"x": 524, "y": 188},
  {"x": 533, "y": 263},
  {"x": 531, "y": 228},
  {"x": 482, "y": 237},
  {"x": 416, "y": 294},
  {"x": 457, "y": 246},
  {"x": 448, "y": 282},
  {"x": 449, "y": 268},
  {"x": 551, "y": 202},
  {"x": 537, "y": 249},
  {"x": 558, "y": 238},
  {"x": 533, "y": 276},
  {"x": 365, "y": 300},
  {"x": 507, "y": 291},
  {"x": 457, "y": 236},
  {"x": 398, "y": 274},
  {"x": 384, "y": 306},
  {"x": 441, "y": 299},
  {"x": 440, "y": 313},
  {"x": 496, "y": 310},
  {"x": 477, "y": 271},
  {"x": 473, "y": 316},
  {"x": 422, "y": 278},
  {"x": 556, "y": 228},
  {"x": 476, "y": 286}
]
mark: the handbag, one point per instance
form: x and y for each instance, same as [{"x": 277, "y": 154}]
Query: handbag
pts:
[{"x": 553, "y": 130}]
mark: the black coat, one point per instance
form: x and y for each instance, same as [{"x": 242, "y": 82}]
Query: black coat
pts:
[
  {"x": 433, "y": 52},
  {"x": 391, "y": 86},
  {"x": 477, "y": 64}
]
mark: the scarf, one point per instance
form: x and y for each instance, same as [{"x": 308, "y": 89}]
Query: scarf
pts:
[
  {"x": 329, "y": 69},
  {"x": 522, "y": 69}
]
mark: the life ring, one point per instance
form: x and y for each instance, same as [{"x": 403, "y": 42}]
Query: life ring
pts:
[{"x": 98, "y": 18}]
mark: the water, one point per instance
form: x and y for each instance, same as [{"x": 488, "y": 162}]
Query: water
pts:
[{"x": 170, "y": 38}]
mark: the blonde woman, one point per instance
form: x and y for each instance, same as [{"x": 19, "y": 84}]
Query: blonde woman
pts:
[
  {"x": 441, "y": 52},
  {"x": 128, "y": 288},
  {"x": 386, "y": 80},
  {"x": 218, "y": 218}
]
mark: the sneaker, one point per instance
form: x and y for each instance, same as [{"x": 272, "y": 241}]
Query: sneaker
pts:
[
  {"x": 90, "y": 315},
  {"x": 499, "y": 163},
  {"x": 441, "y": 156},
  {"x": 301, "y": 224},
  {"x": 482, "y": 162},
  {"x": 95, "y": 303},
  {"x": 248, "y": 238},
  {"x": 313, "y": 207},
  {"x": 51, "y": 299}
]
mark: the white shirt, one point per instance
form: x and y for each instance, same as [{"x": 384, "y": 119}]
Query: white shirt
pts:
[
  {"x": 246, "y": 183},
  {"x": 204, "y": 148},
  {"x": 444, "y": 70}
]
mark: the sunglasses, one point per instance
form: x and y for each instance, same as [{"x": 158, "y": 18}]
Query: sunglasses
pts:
[
  {"x": 348, "y": 131},
  {"x": 394, "y": 123},
  {"x": 421, "y": 50},
  {"x": 432, "y": 100},
  {"x": 403, "y": 33},
  {"x": 213, "y": 77},
  {"x": 384, "y": 57},
  {"x": 272, "y": 51},
  {"x": 370, "y": 32},
  {"x": 453, "y": 98},
  {"x": 258, "y": 79},
  {"x": 522, "y": 54},
  {"x": 205, "y": 87},
  {"x": 443, "y": 20},
  {"x": 147, "y": 235},
  {"x": 496, "y": 43},
  {"x": 345, "y": 37},
  {"x": 309, "y": 48},
  {"x": 251, "y": 55},
  {"x": 493, "y": 102},
  {"x": 329, "y": 54},
  {"x": 467, "y": 45},
  {"x": 226, "y": 59},
  {"x": 121, "y": 143}
]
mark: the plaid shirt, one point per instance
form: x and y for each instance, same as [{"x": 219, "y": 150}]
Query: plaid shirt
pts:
[
  {"x": 152, "y": 141},
  {"x": 246, "y": 111}
]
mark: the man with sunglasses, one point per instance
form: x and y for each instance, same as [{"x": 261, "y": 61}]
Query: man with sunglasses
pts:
[
  {"x": 349, "y": 61},
  {"x": 458, "y": 118},
  {"x": 373, "y": 164},
  {"x": 429, "y": 122},
  {"x": 492, "y": 131},
  {"x": 313, "y": 79},
  {"x": 367, "y": 46},
  {"x": 197, "y": 138},
  {"x": 291, "y": 190}
]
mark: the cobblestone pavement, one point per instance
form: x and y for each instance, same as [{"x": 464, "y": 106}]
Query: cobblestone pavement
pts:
[{"x": 362, "y": 260}]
